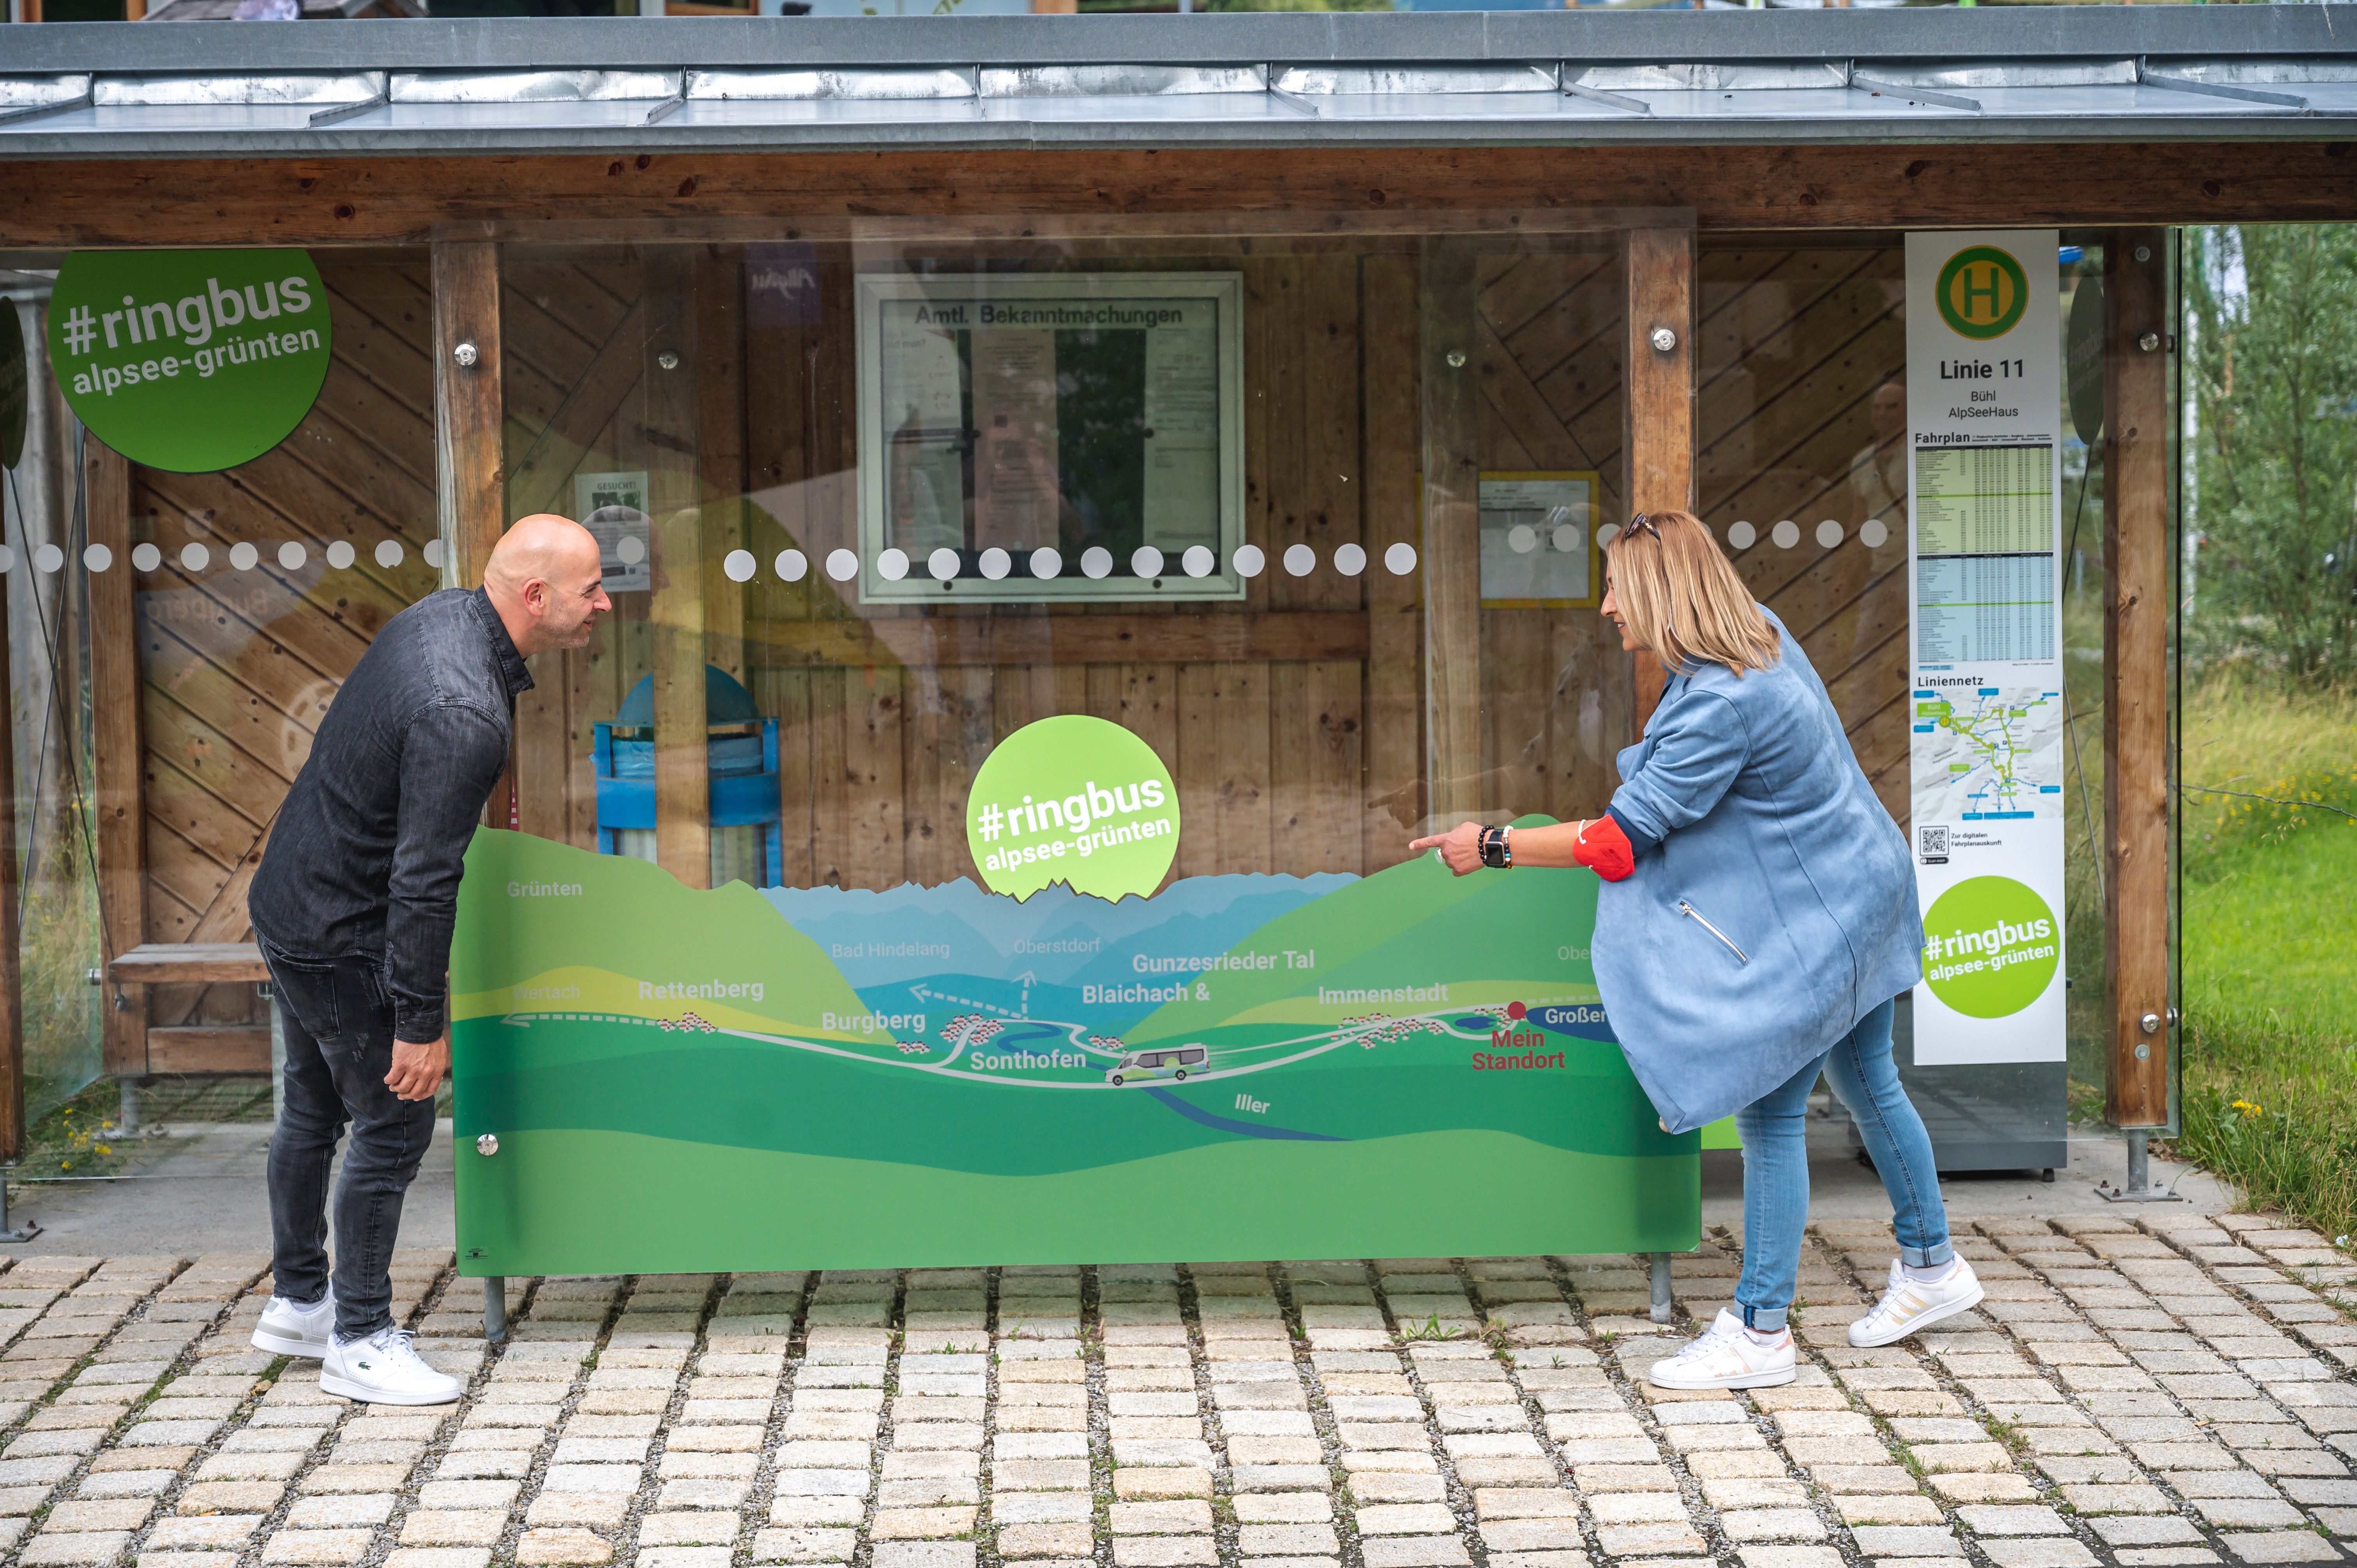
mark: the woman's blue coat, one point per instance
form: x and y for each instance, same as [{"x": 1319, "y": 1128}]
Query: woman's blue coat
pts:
[{"x": 1748, "y": 806}]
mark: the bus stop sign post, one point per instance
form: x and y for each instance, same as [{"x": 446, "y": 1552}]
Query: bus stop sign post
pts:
[{"x": 1660, "y": 1288}]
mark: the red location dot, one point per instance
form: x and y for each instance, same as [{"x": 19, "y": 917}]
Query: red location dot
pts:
[{"x": 1516, "y": 1011}]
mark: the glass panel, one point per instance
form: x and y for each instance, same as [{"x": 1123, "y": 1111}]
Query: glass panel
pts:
[
  {"x": 1802, "y": 449},
  {"x": 266, "y": 585},
  {"x": 50, "y": 716},
  {"x": 1066, "y": 636}
]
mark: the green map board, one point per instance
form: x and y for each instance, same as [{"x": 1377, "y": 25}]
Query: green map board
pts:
[{"x": 1403, "y": 1065}]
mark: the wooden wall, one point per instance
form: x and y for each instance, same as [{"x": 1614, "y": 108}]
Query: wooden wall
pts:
[
  {"x": 1794, "y": 344},
  {"x": 236, "y": 666}
]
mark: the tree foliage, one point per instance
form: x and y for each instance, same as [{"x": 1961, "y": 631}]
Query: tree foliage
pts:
[{"x": 2273, "y": 366}]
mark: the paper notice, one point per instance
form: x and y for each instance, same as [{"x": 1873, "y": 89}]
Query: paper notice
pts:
[
  {"x": 1015, "y": 492},
  {"x": 921, "y": 372},
  {"x": 1182, "y": 433}
]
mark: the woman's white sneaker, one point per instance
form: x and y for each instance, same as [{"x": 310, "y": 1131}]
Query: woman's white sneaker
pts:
[
  {"x": 1727, "y": 1357},
  {"x": 290, "y": 1329},
  {"x": 1908, "y": 1305},
  {"x": 384, "y": 1369}
]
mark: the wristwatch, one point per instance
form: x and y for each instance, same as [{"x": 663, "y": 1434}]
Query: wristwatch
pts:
[{"x": 1496, "y": 848}]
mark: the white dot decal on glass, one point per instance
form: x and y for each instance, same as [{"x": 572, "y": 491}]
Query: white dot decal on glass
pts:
[
  {"x": 1198, "y": 560},
  {"x": 892, "y": 565},
  {"x": 48, "y": 558},
  {"x": 842, "y": 565},
  {"x": 145, "y": 557},
  {"x": 292, "y": 555},
  {"x": 793, "y": 565},
  {"x": 1607, "y": 534},
  {"x": 1741, "y": 535},
  {"x": 437, "y": 553},
  {"x": 1145, "y": 560},
  {"x": 1829, "y": 534},
  {"x": 1400, "y": 558},
  {"x": 1046, "y": 565},
  {"x": 943, "y": 563},
  {"x": 1522, "y": 539},
  {"x": 739, "y": 565},
  {"x": 195, "y": 558},
  {"x": 1349, "y": 560},
  {"x": 996, "y": 564},
  {"x": 632, "y": 550},
  {"x": 389, "y": 553},
  {"x": 1300, "y": 560},
  {"x": 1872, "y": 534},
  {"x": 1786, "y": 534},
  {"x": 246, "y": 557},
  {"x": 339, "y": 555},
  {"x": 1249, "y": 561},
  {"x": 97, "y": 558},
  {"x": 1096, "y": 563},
  {"x": 1565, "y": 538}
]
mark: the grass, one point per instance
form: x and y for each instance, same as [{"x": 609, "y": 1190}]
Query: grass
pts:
[{"x": 2270, "y": 1037}]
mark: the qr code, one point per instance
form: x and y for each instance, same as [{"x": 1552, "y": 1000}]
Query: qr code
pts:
[{"x": 1934, "y": 845}]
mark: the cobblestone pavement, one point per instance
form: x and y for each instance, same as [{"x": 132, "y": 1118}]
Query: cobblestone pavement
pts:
[{"x": 2174, "y": 1394}]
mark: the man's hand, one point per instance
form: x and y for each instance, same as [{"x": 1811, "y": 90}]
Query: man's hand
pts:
[
  {"x": 418, "y": 1069},
  {"x": 1461, "y": 847}
]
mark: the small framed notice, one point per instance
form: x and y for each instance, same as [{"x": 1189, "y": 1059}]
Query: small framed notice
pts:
[
  {"x": 1538, "y": 541},
  {"x": 613, "y": 508},
  {"x": 1055, "y": 437}
]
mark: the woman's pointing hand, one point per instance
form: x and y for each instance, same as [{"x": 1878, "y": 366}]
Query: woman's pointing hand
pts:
[{"x": 1461, "y": 847}]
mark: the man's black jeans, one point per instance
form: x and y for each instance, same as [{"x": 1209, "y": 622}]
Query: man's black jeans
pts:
[{"x": 338, "y": 1026}]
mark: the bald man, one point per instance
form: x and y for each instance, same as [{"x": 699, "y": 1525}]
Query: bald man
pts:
[{"x": 353, "y": 906}]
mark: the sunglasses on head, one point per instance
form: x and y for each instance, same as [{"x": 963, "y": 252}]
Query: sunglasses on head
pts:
[{"x": 1643, "y": 523}]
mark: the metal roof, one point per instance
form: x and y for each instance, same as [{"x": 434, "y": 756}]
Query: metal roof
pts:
[{"x": 1565, "y": 78}]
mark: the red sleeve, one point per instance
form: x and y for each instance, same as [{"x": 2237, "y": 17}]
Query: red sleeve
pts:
[{"x": 1604, "y": 849}]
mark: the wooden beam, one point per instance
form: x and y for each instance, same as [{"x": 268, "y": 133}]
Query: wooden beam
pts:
[
  {"x": 1449, "y": 311},
  {"x": 732, "y": 196},
  {"x": 118, "y": 760},
  {"x": 1276, "y": 635},
  {"x": 674, "y": 489},
  {"x": 1659, "y": 406},
  {"x": 468, "y": 406},
  {"x": 2137, "y": 674},
  {"x": 720, "y": 447},
  {"x": 470, "y": 483},
  {"x": 212, "y": 1047}
]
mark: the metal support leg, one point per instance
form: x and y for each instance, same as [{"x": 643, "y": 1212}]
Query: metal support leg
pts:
[
  {"x": 1660, "y": 1288},
  {"x": 126, "y": 1120},
  {"x": 2140, "y": 1188},
  {"x": 8, "y": 1232},
  {"x": 495, "y": 1308}
]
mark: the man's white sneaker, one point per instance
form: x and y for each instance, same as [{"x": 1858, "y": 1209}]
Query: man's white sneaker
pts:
[
  {"x": 1908, "y": 1305},
  {"x": 384, "y": 1369},
  {"x": 1727, "y": 1357},
  {"x": 290, "y": 1329}
]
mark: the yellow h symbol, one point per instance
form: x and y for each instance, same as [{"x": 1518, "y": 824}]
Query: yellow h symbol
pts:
[{"x": 1973, "y": 291}]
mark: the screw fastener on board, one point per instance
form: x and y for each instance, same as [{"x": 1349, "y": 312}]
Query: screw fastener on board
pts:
[
  {"x": 466, "y": 354},
  {"x": 1663, "y": 339},
  {"x": 487, "y": 1144}
]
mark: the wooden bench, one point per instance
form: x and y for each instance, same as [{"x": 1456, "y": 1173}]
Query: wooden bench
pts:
[{"x": 236, "y": 1047}]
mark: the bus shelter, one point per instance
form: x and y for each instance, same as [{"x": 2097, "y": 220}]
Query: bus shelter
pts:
[{"x": 1080, "y": 495}]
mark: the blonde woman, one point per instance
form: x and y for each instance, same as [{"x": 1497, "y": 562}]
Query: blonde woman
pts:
[{"x": 1757, "y": 921}]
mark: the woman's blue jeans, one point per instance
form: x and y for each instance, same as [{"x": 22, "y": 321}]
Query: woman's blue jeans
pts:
[{"x": 1776, "y": 1167}]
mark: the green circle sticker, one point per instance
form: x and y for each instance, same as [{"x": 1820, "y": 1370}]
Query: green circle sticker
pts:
[
  {"x": 1981, "y": 292},
  {"x": 1072, "y": 800},
  {"x": 1990, "y": 947},
  {"x": 189, "y": 360}
]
